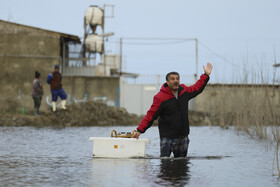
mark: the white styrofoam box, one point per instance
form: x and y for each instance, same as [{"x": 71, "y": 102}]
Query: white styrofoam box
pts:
[{"x": 119, "y": 147}]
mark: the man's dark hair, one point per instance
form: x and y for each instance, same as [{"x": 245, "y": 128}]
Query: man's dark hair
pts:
[
  {"x": 171, "y": 73},
  {"x": 56, "y": 66},
  {"x": 37, "y": 74}
]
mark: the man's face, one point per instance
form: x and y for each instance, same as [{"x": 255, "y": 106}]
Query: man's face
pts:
[
  {"x": 173, "y": 82},
  {"x": 56, "y": 70}
]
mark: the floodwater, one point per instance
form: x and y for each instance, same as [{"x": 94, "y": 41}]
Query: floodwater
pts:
[{"x": 63, "y": 157}]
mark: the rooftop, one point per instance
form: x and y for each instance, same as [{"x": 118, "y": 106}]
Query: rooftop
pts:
[{"x": 70, "y": 37}]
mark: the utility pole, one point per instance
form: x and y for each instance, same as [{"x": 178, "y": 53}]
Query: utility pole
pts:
[
  {"x": 274, "y": 73},
  {"x": 276, "y": 65},
  {"x": 121, "y": 45},
  {"x": 103, "y": 32},
  {"x": 154, "y": 39}
]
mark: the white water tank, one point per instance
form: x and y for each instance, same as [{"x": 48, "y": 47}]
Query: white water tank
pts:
[
  {"x": 94, "y": 43},
  {"x": 94, "y": 16}
]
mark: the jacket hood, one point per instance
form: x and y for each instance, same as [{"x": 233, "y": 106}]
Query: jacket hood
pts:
[{"x": 164, "y": 88}]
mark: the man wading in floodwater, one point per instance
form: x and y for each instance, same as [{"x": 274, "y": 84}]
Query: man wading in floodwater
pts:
[{"x": 171, "y": 106}]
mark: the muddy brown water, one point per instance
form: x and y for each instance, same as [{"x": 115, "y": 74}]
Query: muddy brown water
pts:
[{"x": 63, "y": 157}]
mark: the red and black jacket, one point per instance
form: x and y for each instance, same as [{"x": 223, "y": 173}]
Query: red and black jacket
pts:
[{"x": 173, "y": 119}]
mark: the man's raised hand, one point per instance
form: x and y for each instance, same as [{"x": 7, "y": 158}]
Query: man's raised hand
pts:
[{"x": 208, "y": 68}]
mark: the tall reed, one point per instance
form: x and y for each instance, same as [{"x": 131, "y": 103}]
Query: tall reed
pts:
[{"x": 253, "y": 108}]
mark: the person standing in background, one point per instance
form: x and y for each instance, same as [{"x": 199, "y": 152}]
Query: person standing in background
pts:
[
  {"x": 37, "y": 92},
  {"x": 55, "y": 81}
]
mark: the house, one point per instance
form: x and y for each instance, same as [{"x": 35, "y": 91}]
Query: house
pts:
[{"x": 25, "y": 49}]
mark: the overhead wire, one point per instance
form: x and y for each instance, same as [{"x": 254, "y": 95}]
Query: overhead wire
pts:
[
  {"x": 151, "y": 43},
  {"x": 219, "y": 56},
  {"x": 253, "y": 73}
]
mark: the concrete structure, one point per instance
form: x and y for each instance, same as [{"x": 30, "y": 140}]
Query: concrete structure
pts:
[
  {"x": 137, "y": 98},
  {"x": 216, "y": 98},
  {"x": 241, "y": 105},
  {"x": 96, "y": 88},
  {"x": 226, "y": 98},
  {"x": 25, "y": 49}
]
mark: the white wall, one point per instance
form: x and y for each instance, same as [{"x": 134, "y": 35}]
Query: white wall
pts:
[{"x": 138, "y": 98}]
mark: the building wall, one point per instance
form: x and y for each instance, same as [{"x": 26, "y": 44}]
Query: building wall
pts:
[
  {"x": 216, "y": 99},
  {"x": 24, "y": 50},
  {"x": 231, "y": 98},
  {"x": 137, "y": 98},
  {"x": 92, "y": 86}
]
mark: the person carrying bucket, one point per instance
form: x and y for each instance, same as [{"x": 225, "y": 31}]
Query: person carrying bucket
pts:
[
  {"x": 55, "y": 81},
  {"x": 170, "y": 105}
]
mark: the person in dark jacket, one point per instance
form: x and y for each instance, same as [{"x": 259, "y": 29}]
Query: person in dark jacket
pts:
[
  {"x": 55, "y": 81},
  {"x": 37, "y": 92},
  {"x": 170, "y": 105}
]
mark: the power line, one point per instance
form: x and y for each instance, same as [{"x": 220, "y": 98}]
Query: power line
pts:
[
  {"x": 151, "y": 43},
  {"x": 253, "y": 73},
  {"x": 220, "y": 56}
]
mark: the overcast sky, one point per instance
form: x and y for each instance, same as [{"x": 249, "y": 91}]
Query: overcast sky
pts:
[{"x": 233, "y": 34}]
